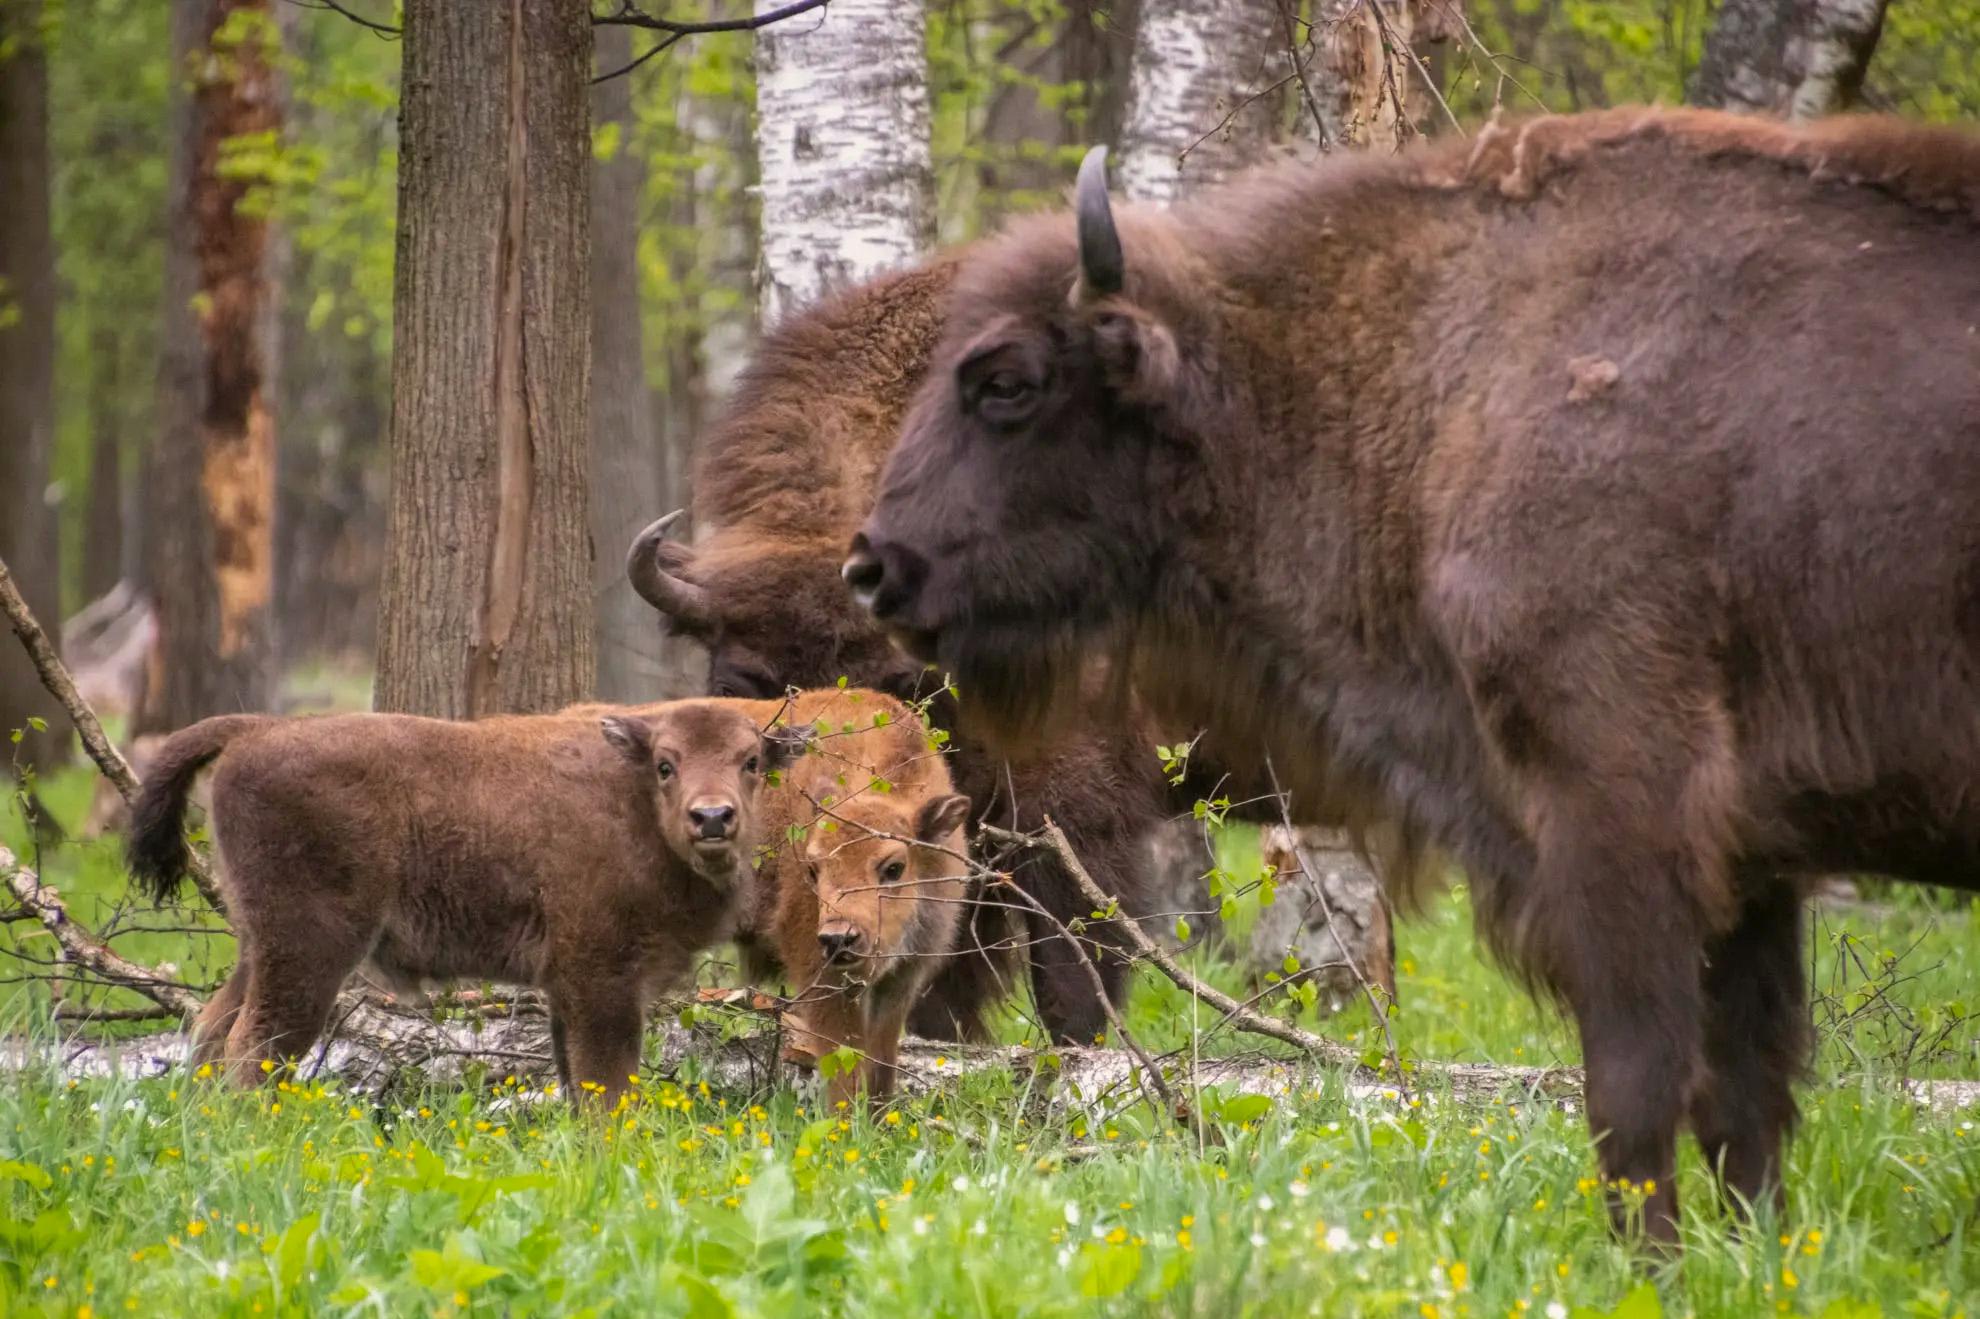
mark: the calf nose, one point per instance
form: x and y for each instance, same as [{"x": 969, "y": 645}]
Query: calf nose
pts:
[
  {"x": 712, "y": 821},
  {"x": 863, "y": 571},
  {"x": 837, "y": 943}
]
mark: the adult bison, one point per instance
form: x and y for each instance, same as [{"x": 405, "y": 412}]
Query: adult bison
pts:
[
  {"x": 1622, "y": 481},
  {"x": 783, "y": 478}
]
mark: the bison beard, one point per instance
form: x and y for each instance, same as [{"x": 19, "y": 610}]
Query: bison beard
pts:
[
  {"x": 1593, "y": 502},
  {"x": 782, "y": 479}
]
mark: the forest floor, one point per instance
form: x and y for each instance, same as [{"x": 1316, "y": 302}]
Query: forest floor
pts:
[{"x": 174, "y": 1196}]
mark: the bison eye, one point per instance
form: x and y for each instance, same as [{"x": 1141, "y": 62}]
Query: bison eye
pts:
[
  {"x": 1006, "y": 398},
  {"x": 893, "y": 870},
  {"x": 749, "y": 766},
  {"x": 665, "y": 769}
]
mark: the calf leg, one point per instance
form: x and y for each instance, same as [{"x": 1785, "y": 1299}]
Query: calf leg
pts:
[
  {"x": 216, "y": 1019},
  {"x": 284, "y": 1009},
  {"x": 602, "y": 1029},
  {"x": 1757, "y": 1039},
  {"x": 823, "y": 1023}
]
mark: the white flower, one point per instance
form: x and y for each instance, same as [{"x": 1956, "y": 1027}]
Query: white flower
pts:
[
  {"x": 1338, "y": 1240},
  {"x": 1072, "y": 1213},
  {"x": 1257, "y": 1238},
  {"x": 960, "y": 1183},
  {"x": 1555, "y": 1310},
  {"x": 1297, "y": 1190},
  {"x": 1264, "y": 1204}
]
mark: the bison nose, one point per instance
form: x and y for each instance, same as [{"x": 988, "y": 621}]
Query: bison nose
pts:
[
  {"x": 712, "y": 821},
  {"x": 863, "y": 571},
  {"x": 838, "y": 943}
]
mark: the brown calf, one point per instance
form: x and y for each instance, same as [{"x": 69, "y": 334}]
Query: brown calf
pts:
[
  {"x": 528, "y": 849},
  {"x": 862, "y": 883}
]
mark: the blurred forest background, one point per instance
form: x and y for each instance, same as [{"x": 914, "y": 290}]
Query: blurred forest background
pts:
[{"x": 108, "y": 375}]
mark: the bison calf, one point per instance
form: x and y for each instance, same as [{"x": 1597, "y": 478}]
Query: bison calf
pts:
[
  {"x": 528, "y": 849},
  {"x": 862, "y": 879}
]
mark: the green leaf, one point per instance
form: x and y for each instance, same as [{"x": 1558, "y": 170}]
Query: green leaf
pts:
[
  {"x": 841, "y": 1060},
  {"x": 292, "y": 1250},
  {"x": 34, "y": 1176},
  {"x": 37, "y": 723},
  {"x": 1182, "y": 930},
  {"x": 1227, "y": 910}
]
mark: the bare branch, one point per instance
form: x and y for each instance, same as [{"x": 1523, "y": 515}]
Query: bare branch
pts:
[
  {"x": 55, "y": 677},
  {"x": 83, "y": 950},
  {"x": 629, "y": 14},
  {"x": 385, "y": 30}
]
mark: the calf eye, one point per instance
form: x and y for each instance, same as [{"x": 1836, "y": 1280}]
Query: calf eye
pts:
[
  {"x": 893, "y": 870},
  {"x": 749, "y": 766},
  {"x": 665, "y": 769}
]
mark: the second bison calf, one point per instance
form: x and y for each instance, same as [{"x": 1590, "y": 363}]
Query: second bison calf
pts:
[{"x": 528, "y": 849}]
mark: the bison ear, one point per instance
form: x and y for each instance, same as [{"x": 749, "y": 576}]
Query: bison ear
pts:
[
  {"x": 1137, "y": 353},
  {"x": 632, "y": 735},
  {"x": 940, "y": 817},
  {"x": 785, "y": 743}
]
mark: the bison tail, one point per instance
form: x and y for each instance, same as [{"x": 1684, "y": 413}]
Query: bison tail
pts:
[{"x": 157, "y": 853}]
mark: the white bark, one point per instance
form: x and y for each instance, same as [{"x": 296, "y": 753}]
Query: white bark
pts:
[
  {"x": 1196, "y": 63},
  {"x": 842, "y": 147},
  {"x": 1797, "y": 58}
]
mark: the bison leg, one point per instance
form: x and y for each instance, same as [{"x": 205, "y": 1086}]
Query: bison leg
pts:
[
  {"x": 952, "y": 1007},
  {"x": 1756, "y": 1043},
  {"x": 216, "y": 1019},
  {"x": 602, "y": 1031},
  {"x": 560, "y": 1054},
  {"x": 1061, "y": 977},
  {"x": 284, "y": 1008}
]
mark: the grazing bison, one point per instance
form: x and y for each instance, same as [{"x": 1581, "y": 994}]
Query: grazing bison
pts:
[
  {"x": 527, "y": 848},
  {"x": 783, "y": 478},
  {"x": 861, "y": 879},
  {"x": 1623, "y": 474}
]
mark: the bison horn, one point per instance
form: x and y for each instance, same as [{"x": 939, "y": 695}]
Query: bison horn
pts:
[
  {"x": 1102, "y": 269},
  {"x": 679, "y": 599}
]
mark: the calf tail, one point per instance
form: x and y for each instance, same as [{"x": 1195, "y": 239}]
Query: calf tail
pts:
[{"x": 157, "y": 853}]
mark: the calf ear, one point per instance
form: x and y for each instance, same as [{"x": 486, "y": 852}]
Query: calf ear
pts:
[
  {"x": 785, "y": 743},
  {"x": 940, "y": 817},
  {"x": 632, "y": 735},
  {"x": 1137, "y": 353}
]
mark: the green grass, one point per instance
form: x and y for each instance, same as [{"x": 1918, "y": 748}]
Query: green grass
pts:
[{"x": 988, "y": 1199}]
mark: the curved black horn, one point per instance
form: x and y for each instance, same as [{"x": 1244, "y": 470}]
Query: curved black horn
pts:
[
  {"x": 679, "y": 599},
  {"x": 1101, "y": 267}
]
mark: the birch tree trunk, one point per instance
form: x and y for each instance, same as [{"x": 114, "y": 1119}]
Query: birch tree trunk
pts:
[
  {"x": 1795, "y": 58},
  {"x": 626, "y": 461},
  {"x": 212, "y": 505},
  {"x": 842, "y": 146},
  {"x": 1187, "y": 127},
  {"x": 486, "y": 604},
  {"x": 1196, "y": 65},
  {"x": 27, "y": 368}
]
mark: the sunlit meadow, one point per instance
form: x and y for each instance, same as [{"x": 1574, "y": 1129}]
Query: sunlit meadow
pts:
[{"x": 1002, "y": 1194}]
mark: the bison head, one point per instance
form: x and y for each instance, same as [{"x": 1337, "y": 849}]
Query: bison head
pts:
[
  {"x": 1020, "y": 519},
  {"x": 772, "y": 613},
  {"x": 707, "y": 763},
  {"x": 890, "y": 880}
]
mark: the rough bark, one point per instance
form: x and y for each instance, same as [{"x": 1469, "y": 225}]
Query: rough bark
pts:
[
  {"x": 1191, "y": 114},
  {"x": 842, "y": 144},
  {"x": 27, "y": 366},
  {"x": 486, "y": 603},
  {"x": 1795, "y": 58},
  {"x": 627, "y": 468},
  {"x": 210, "y": 524}
]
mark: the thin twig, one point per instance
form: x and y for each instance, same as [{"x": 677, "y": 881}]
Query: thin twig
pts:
[
  {"x": 629, "y": 14},
  {"x": 84, "y": 951},
  {"x": 385, "y": 30},
  {"x": 1244, "y": 1018}
]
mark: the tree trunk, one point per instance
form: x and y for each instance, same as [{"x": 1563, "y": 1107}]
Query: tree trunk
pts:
[
  {"x": 1796, "y": 58},
  {"x": 486, "y": 604},
  {"x": 1196, "y": 65},
  {"x": 212, "y": 574},
  {"x": 626, "y": 462},
  {"x": 27, "y": 372},
  {"x": 842, "y": 144},
  {"x": 103, "y": 529}
]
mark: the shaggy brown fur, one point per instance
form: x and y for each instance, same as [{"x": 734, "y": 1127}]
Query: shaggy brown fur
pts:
[
  {"x": 861, "y": 878},
  {"x": 783, "y": 478},
  {"x": 1621, "y": 474},
  {"x": 590, "y": 852}
]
